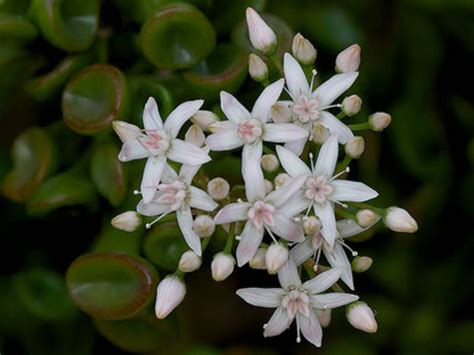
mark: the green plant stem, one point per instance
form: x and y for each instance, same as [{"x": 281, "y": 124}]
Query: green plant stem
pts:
[
  {"x": 359, "y": 126},
  {"x": 230, "y": 240},
  {"x": 344, "y": 163},
  {"x": 205, "y": 243},
  {"x": 267, "y": 150},
  {"x": 363, "y": 205},
  {"x": 276, "y": 62},
  {"x": 265, "y": 82},
  {"x": 341, "y": 115}
]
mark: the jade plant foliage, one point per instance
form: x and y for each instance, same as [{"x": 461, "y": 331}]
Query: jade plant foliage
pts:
[{"x": 70, "y": 70}]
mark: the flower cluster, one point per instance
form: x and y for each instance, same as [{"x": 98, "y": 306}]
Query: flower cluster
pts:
[{"x": 279, "y": 226}]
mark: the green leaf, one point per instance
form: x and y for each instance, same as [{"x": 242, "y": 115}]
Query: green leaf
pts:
[
  {"x": 164, "y": 245},
  {"x": 111, "y": 239},
  {"x": 107, "y": 172},
  {"x": 59, "y": 191},
  {"x": 95, "y": 97},
  {"x": 33, "y": 156},
  {"x": 16, "y": 27},
  {"x": 177, "y": 36},
  {"x": 70, "y": 25},
  {"x": 111, "y": 286},
  {"x": 224, "y": 69},
  {"x": 140, "y": 334},
  {"x": 44, "y": 294}
]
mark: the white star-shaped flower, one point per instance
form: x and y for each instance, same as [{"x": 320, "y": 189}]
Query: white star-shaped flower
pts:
[
  {"x": 308, "y": 107},
  {"x": 297, "y": 300},
  {"x": 251, "y": 129},
  {"x": 158, "y": 142},
  {"x": 262, "y": 212},
  {"x": 322, "y": 189},
  {"x": 176, "y": 194},
  {"x": 336, "y": 256}
]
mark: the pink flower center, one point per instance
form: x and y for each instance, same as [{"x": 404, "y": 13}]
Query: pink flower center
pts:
[
  {"x": 250, "y": 130},
  {"x": 318, "y": 189},
  {"x": 156, "y": 142},
  {"x": 261, "y": 214},
  {"x": 296, "y": 301},
  {"x": 174, "y": 194},
  {"x": 306, "y": 109}
]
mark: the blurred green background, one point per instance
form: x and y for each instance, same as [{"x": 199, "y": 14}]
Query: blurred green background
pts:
[{"x": 61, "y": 183}]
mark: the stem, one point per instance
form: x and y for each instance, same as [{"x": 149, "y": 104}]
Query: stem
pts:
[
  {"x": 363, "y": 205},
  {"x": 265, "y": 82},
  {"x": 230, "y": 239},
  {"x": 267, "y": 150},
  {"x": 359, "y": 126},
  {"x": 344, "y": 213},
  {"x": 205, "y": 243},
  {"x": 341, "y": 115},
  {"x": 344, "y": 163},
  {"x": 276, "y": 62}
]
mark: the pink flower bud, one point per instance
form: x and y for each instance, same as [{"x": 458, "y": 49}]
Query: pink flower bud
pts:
[
  {"x": 218, "y": 188},
  {"x": 203, "y": 119},
  {"x": 258, "y": 70},
  {"x": 275, "y": 257},
  {"x": 399, "y": 220},
  {"x": 379, "y": 121},
  {"x": 303, "y": 50},
  {"x": 169, "y": 294},
  {"x": 189, "y": 262},
  {"x": 355, "y": 147},
  {"x": 351, "y": 105},
  {"x": 127, "y": 221},
  {"x": 348, "y": 60},
  {"x": 222, "y": 266},
  {"x": 261, "y": 35},
  {"x": 361, "y": 316}
]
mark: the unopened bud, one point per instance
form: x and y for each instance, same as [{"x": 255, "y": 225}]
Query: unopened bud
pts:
[
  {"x": 361, "y": 263},
  {"x": 204, "y": 226},
  {"x": 275, "y": 257},
  {"x": 268, "y": 186},
  {"x": 303, "y": 50},
  {"x": 203, "y": 119},
  {"x": 399, "y": 220},
  {"x": 127, "y": 221},
  {"x": 348, "y": 60},
  {"x": 195, "y": 135},
  {"x": 126, "y": 131},
  {"x": 169, "y": 294},
  {"x": 270, "y": 163},
  {"x": 379, "y": 121},
  {"x": 311, "y": 225},
  {"x": 281, "y": 179},
  {"x": 222, "y": 266},
  {"x": 366, "y": 218},
  {"x": 281, "y": 113},
  {"x": 261, "y": 35},
  {"x": 189, "y": 262},
  {"x": 351, "y": 105},
  {"x": 258, "y": 260},
  {"x": 324, "y": 316},
  {"x": 355, "y": 147},
  {"x": 361, "y": 316},
  {"x": 319, "y": 134},
  {"x": 258, "y": 70},
  {"x": 218, "y": 188}
]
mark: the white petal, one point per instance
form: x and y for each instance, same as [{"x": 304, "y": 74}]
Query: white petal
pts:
[
  {"x": 286, "y": 228},
  {"x": 335, "y": 126},
  {"x": 323, "y": 281},
  {"x": 151, "y": 177},
  {"x": 201, "y": 200},
  {"x": 296, "y": 204},
  {"x": 345, "y": 190},
  {"x": 187, "y": 153},
  {"x": 278, "y": 323},
  {"x": 297, "y": 146},
  {"x": 185, "y": 222},
  {"x": 252, "y": 171},
  {"x": 348, "y": 227},
  {"x": 302, "y": 252},
  {"x": 288, "y": 275},
  {"x": 311, "y": 328},
  {"x": 180, "y": 115},
  {"x": 188, "y": 172},
  {"x": 332, "y": 300},
  {"x": 132, "y": 150},
  {"x": 233, "y": 109},
  {"x": 251, "y": 238},
  {"x": 295, "y": 78},
  {"x": 261, "y": 297},
  {"x": 224, "y": 140},
  {"x": 338, "y": 259},
  {"x": 325, "y": 213},
  {"x": 232, "y": 212},
  {"x": 151, "y": 115},
  {"x": 279, "y": 196},
  {"x": 283, "y": 132},
  {"x": 126, "y": 131},
  {"x": 330, "y": 90},
  {"x": 263, "y": 106},
  {"x": 152, "y": 208},
  {"x": 291, "y": 163},
  {"x": 327, "y": 158},
  {"x": 169, "y": 174}
]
